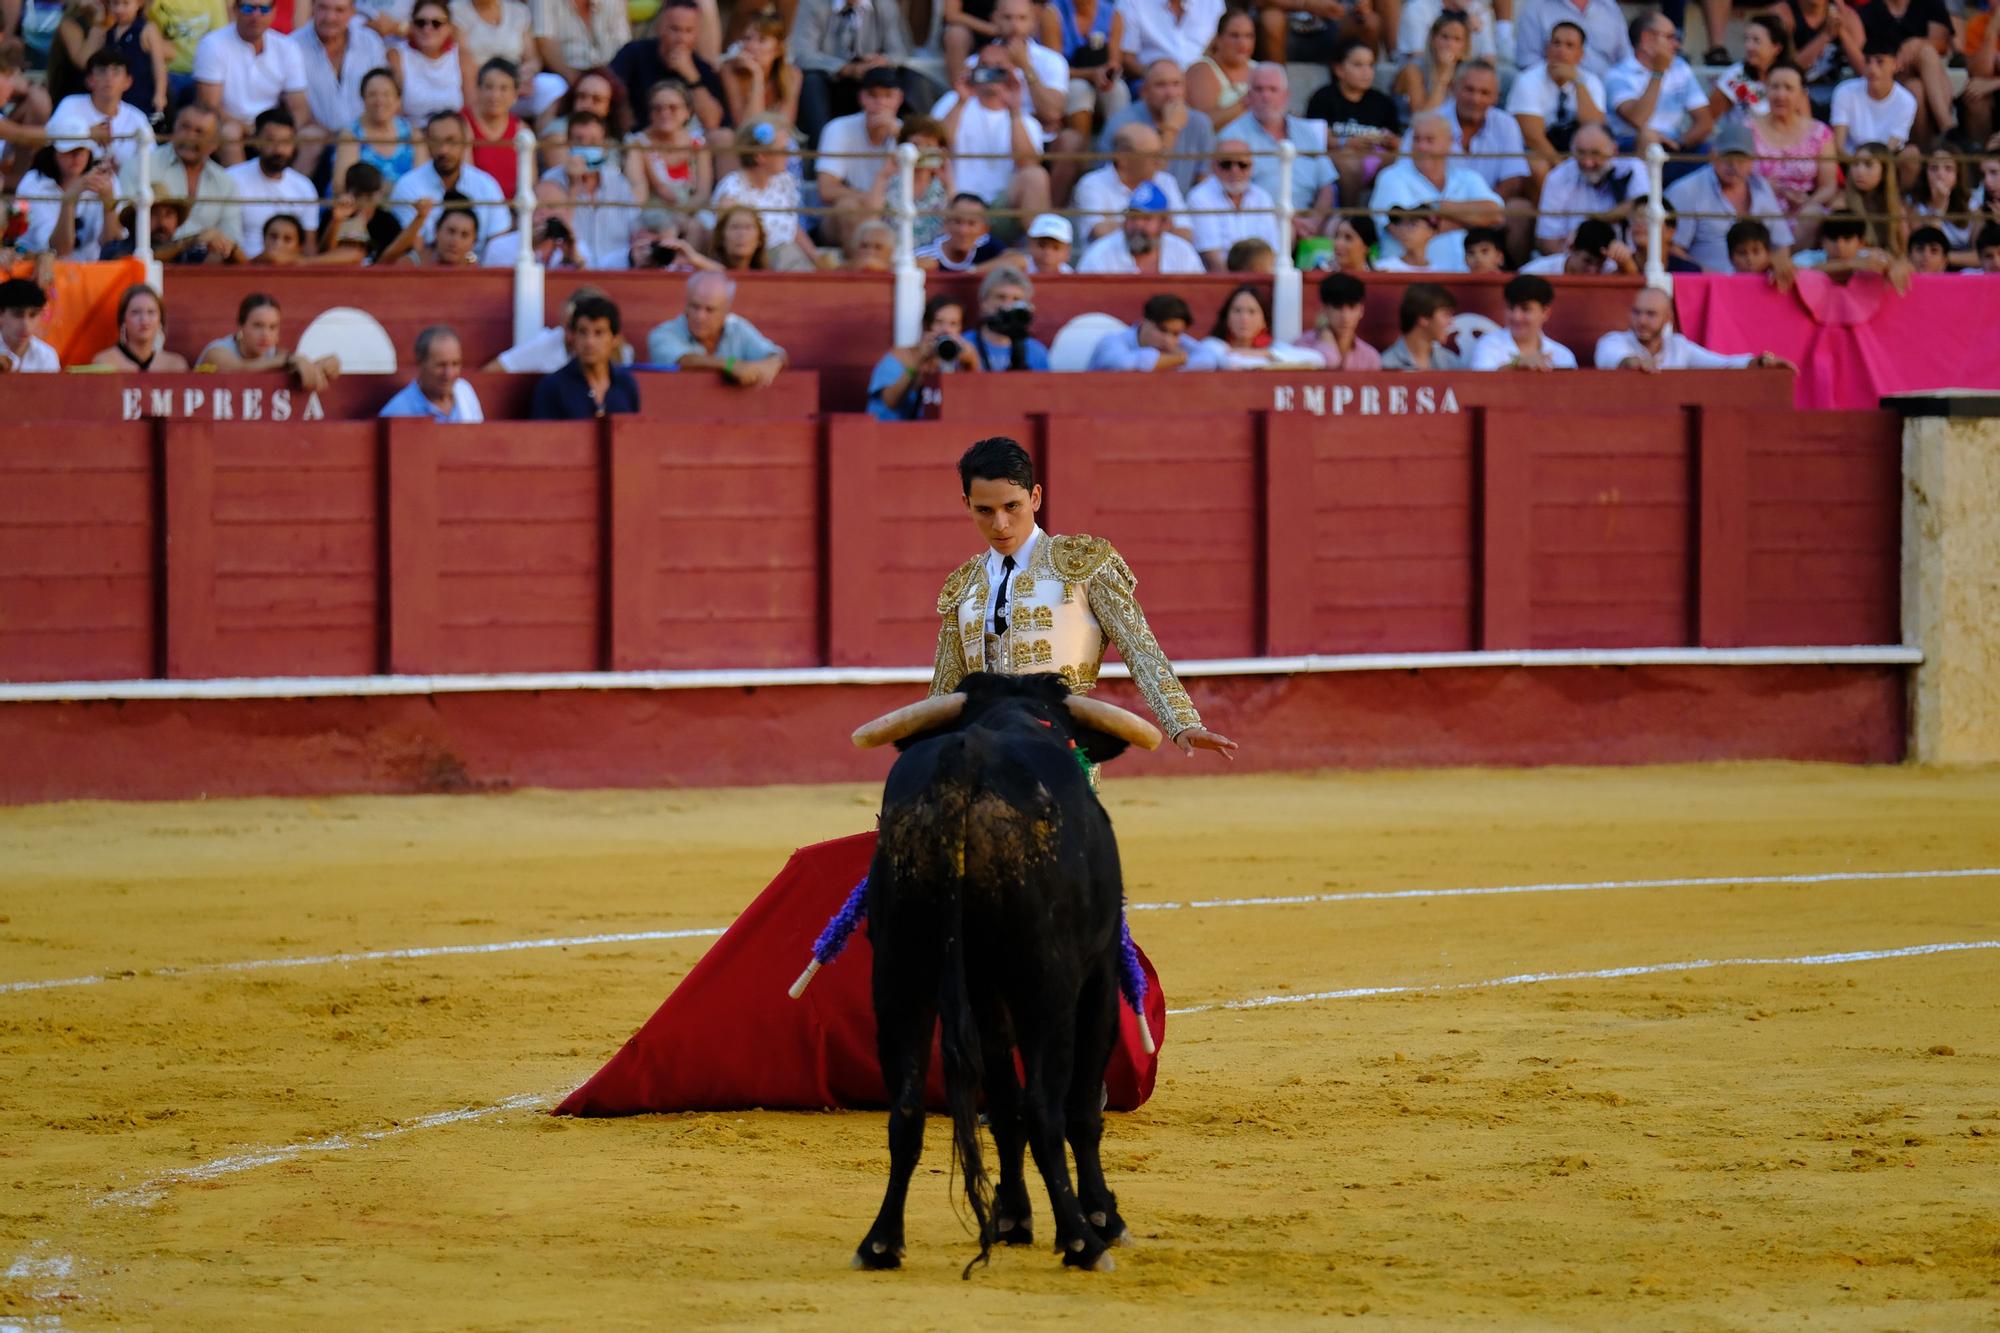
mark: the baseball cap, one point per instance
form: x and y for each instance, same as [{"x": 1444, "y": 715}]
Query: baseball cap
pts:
[
  {"x": 1148, "y": 198},
  {"x": 1050, "y": 227},
  {"x": 70, "y": 128},
  {"x": 880, "y": 76},
  {"x": 1734, "y": 137}
]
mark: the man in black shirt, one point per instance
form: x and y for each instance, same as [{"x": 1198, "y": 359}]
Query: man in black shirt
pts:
[
  {"x": 670, "y": 55},
  {"x": 1362, "y": 128},
  {"x": 592, "y": 383}
]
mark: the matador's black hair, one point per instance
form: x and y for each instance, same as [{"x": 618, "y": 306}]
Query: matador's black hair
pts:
[{"x": 996, "y": 459}]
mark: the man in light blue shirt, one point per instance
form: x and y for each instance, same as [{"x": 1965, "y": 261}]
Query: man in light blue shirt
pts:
[
  {"x": 1265, "y": 125},
  {"x": 706, "y": 336},
  {"x": 1159, "y": 341},
  {"x": 438, "y": 392}
]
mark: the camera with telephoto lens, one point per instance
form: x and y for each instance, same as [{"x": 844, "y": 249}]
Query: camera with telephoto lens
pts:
[
  {"x": 1012, "y": 322},
  {"x": 949, "y": 349},
  {"x": 555, "y": 229}
]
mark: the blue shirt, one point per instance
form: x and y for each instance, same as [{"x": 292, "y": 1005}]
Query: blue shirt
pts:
[
  {"x": 998, "y": 353},
  {"x": 410, "y": 402},
  {"x": 668, "y": 343},
  {"x": 564, "y": 395},
  {"x": 1121, "y": 351}
]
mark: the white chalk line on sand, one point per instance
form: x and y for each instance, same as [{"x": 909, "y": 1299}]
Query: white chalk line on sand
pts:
[
  {"x": 153, "y": 1190},
  {"x": 1198, "y": 904},
  {"x": 150, "y": 1192},
  {"x": 1593, "y": 974}
]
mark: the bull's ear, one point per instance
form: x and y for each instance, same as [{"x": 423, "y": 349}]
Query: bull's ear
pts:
[{"x": 1100, "y": 747}]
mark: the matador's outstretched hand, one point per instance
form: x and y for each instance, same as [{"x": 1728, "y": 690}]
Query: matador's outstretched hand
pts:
[{"x": 1201, "y": 738}]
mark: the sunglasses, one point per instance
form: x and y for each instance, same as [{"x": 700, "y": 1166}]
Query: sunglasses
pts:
[
  {"x": 1232, "y": 164},
  {"x": 430, "y": 23},
  {"x": 255, "y": 9}
]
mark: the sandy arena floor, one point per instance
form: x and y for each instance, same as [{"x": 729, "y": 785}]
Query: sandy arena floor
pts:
[{"x": 194, "y": 1142}]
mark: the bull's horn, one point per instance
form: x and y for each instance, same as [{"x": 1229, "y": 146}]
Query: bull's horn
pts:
[
  {"x": 910, "y": 720},
  {"x": 1114, "y": 721}
]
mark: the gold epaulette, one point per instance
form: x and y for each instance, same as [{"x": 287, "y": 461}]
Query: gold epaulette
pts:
[
  {"x": 954, "y": 586},
  {"x": 1078, "y": 558}
]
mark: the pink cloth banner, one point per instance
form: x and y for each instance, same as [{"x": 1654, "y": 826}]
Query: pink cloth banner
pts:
[{"x": 1853, "y": 342}]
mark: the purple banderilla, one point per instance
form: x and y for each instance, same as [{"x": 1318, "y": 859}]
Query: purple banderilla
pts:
[{"x": 833, "y": 939}]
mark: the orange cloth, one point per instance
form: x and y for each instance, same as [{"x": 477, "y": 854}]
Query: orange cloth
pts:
[{"x": 82, "y": 317}]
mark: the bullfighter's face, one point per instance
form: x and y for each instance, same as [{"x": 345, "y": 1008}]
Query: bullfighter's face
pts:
[{"x": 1003, "y": 512}]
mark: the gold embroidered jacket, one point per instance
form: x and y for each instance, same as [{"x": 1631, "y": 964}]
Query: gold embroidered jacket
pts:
[{"x": 1074, "y": 595}]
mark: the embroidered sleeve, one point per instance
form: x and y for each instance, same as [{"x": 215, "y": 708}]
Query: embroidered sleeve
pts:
[
  {"x": 1118, "y": 611},
  {"x": 948, "y": 668}
]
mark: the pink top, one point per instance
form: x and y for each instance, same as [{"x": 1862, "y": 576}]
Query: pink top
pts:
[
  {"x": 1363, "y": 357},
  {"x": 1793, "y": 167}
]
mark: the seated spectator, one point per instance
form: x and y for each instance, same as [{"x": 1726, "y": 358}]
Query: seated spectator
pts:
[
  {"x": 1089, "y": 35},
  {"x": 544, "y": 352},
  {"x": 1920, "y": 37},
  {"x": 1795, "y": 153},
  {"x": 834, "y": 47},
  {"x": 1217, "y": 78},
  {"x": 337, "y": 55},
  {"x": 1485, "y": 250},
  {"x": 1251, "y": 255},
  {"x": 246, "y": 69},
  {"x": 1229, "y": 207},
  {"x": 670, "y": 54},
  {"x": 965, "y": 25},
  {"x": 493, "y": 30},
  {"x": 1334, "y": 338},
  {"x": 871, "y": 248},
  {"x": 1521, "y": 344},
  {"x": 1749, "y": 244},
  {"x": 665, "y": 240},
  {"x": 450, "y": 173},
  {"x": 1869, "y": 193},
  {"x": 439, "y": 391},
  {"x": 1354, "y": 239},
  {"x": 1143, "y": 245},
  {"x": 1940, "y": 198},
  {"x": 142, "y": 336},
  {"x": 381, "y": 136},
  {"x": 122, "y": 29},
  {"x": 1594, "y": 182},
  {"x": 1159, "y": 341},
  {"x": 1743, "y": 89},
  {"x": 1987, "y": 243},
  {"x": 1594, "y": 250},
  {"x": 602, "y": 208},
  {"x": 1427, "y": 181},
  {"x": 183, "y": 170},
  {"x": 757, "y": 80},
  {"x": 896, "y": 391},
  {"x": 1676, "y": 259},
  {"x": 455, "y": 242},
  {"x": 1050, "y": 242},
  {"x": 855, "y": 151},
  {"x": 1304, "y": 31},
  {"x": 1186, "y": 134},
  {"x": 931, "y": 180},
  {"x": 1844, "y": 251},
  {"x": 107, "y": 119},
  {"x": 1708, "y": 201},
  {"x": 1929, "y": 251},
  {"x": 552, "y": 236},
  {"x": 1424, "y": 82},
  {"x": 360, "y": 229},
  {"x": 1873, "y": 108},
  {"x": 256, "y": 346},
  {"x": 591, "y": 383},
  {"x": 1652, "y": 345},
  {"x": 428, "y": 63},
  {"x": 491, "y": 125},
  {"x": 1362, "y": 127},
  {"x": 1605, "y": 41},
  {"x": 24, "y": 109},
  {"x": 1425, "y": 319},
  {"x": 1655, "y": 96},
  {"x": 1103, "y": 195},
  {"x": 996, "y": 144},
  {"x": 1487, "y": 142},
  {"x": 1484, "y": 29},
  {"x": 1554, "y": 101},
  {"x": 1241, "y": 338},
  {"x": 737, "y": 243},
  {"x": 1006, "y": 313},
  {"x": 707, "y": 336},
  {"x": 668, "y": 161},
  {"x": 21, "y": 304},
  {"x": 76, "y": 214},
  {"x": 1038, "y": 69},
  {"x": 1413, "y": 232},
  {"x": 574, "y": 37},
  {"x": 284, "y": 240},
  {"x": 267, "y": 185},
  {"x": 763, "y": 181},
  {"x": 1268, "y": 124},
  {"x": 965, "y": 244}
]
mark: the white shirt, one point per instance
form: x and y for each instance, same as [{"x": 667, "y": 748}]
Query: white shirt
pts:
[
  {"x": 1414, "y": 29},
  {"x": 1452, "y": 262},
  {"x": 43, "y": 214},
  {"x": 252, "y": 81},
  {"x": 1151, "y": 32},
  {"x": 1255, "y": 216},
  {"x": 1676, "y": 353},
  {"x": 126, "y": 122},
  {"x": 1051, "y": 70},
  {"x": 264, "y": 197},
  {"x": 1107, "y": 254},
  {"x": 846, "y": 154},
  {"x": 423, "y": 183},
  {"x": 335, "y": 94},
  {"x": 1100, "y": 196},
  {"x": 507, "y": 38},
  {"x": 1869, "y": 121},
  {"x": 1497, "y": 350},
  {"x": 1498, "y": 133},
  {"x": 502, "y": 251},
  {"x": 984, "y": 129},
  {"x": 1401, "y": 185},
  {"x": 1680, "y": 96},
  {"x": 1535, "y": 94},
  {"x": 777, "y": 204},
  {"x": 1568, "y": 198},
  {"x": 995, "y": 566},
  {"x": 36, "y": 358},
  {"x": 431, "y": 84},
  {"x": 604, "y": 222}
]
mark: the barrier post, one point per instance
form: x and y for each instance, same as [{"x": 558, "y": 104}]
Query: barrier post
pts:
[
  {"x": 530, "y": 280},
  {"x": 1656, "y": 219},
  {"x": 1287, "y": 296},
  {"x": 142, "y": 213},
  {"x": 909, "y": 320}
]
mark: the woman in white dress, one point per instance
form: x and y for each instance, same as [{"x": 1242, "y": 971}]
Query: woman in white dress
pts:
[{"x": 432, "y": 67}]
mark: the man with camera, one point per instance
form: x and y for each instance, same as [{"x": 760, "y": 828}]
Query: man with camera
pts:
[
  {"x": 603, "y": 208},
  {"x": 707, "y": 336},
  {"x": 903, "y": 386},
  {"x": 1006, "y": 313},
  {"x": 556, "y": 244}
]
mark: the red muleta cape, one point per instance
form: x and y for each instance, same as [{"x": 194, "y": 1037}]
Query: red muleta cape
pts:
[{"x": 729, "y": 1037}]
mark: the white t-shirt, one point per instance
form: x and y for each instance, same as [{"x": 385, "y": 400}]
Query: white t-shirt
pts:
[
  {"x": 489, "y": 204},
  {"x": 1453, "y": 261},
  {"x": 1051, "y": 70},
  {"x": 252, "y": 81},
  {"x": 77, "y": 110},
  {"x": 1413, "y": 30},
  {"x": 1401, "y": 185},
  {"x": 1869, "y": 121},
  {"x": 1101, "y": 196},
  {"x": 1680, "y": 96},
  {"x": 846, "y": 154},
  {"x": 1676, "y": 353},
  {"x": 984, "y": 129},
  {"x": 1255, "y": 217},
  {"x": 1107, "y": 254},
  {"x": 503, "y": 250},
  {"x": 1497, "y": 350},
  {"x": 264, "y": 197},
  {"x": 1152, "y": 33},
  {"x": 1535, "y": 93},
  {"x": 36, "y": 358},
  {"x": 43, "y": 214}
]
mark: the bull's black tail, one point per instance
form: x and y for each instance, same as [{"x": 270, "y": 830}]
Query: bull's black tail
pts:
[{"x": 959, "y": 1043}]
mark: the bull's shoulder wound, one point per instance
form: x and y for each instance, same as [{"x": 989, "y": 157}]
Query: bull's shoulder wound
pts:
[{"x": 955, "y": 586}]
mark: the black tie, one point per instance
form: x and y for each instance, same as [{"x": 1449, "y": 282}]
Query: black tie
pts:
[
  {"x": 1000, "y": 602},
  {"x": 1562, "y": 106},
  {"x": 849, "y": 38}
]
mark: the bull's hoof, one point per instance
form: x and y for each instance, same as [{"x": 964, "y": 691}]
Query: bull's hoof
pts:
[
  {"x": 1010, "y": 1231},
  {"x": 877, "y": 1255},
  {"x": 1110, "y": 1227},
  {"x": 1091, "y": 1255}
]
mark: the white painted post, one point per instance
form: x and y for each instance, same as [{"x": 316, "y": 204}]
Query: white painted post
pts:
[
  {"x": 1656, "y": 219},
  {"x": 142, "y": 213},
  {"x": 909, "y": 320},
  {"x": 530, "y": 280},
  {"x": 1287, "y": 287}
]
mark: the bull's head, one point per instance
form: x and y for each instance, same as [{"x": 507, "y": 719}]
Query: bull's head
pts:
[{"x": 1101, "y": 730}]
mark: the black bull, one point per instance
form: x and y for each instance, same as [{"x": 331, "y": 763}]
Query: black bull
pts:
[{"x": 994, "y": 906}]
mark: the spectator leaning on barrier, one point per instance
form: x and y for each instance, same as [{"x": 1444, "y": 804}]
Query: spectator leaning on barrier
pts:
[
  {"x": 1594, "y": 249},
  {"x": 359, "y": 227},
  {"x": 21, "y": 304},
  {"x": 1749, "y": 243},
  {"x": 1425, "y": 319},
  {"x": 1709, "y": 200},
  {"x": 591, "y": 383},
  {"x": 707, "y": 336},
  {"x": 1335, "y": 335},
  {"x": 1651, "y": 344},
  {"x": 1354, "y": 241},
  {"x": 1159, "y": 341},
  {"x": 1655, "y": 96},
  {"x": 142, "y": 333},
  {"x": 455, "y": 240},
  {"x": 111, "y": 122},
  {"x": 267, "y": 185},
  {"x": 1844, "y": 251},
  {"x": 1143, "y": 244},
  {"x": 1006, "y": 313},
  {"x": 1228, "y": 207},
  {"x": 1162, "y": 107},
  {"x": 256, "y": 345},
  {"x": 1242, "y": 340},
  {"x": 965, "y": 243},
  {"x": 439, "y": 391},
  {"x": 449, "y": 172},
  {"x": 1103, "y": 195},
  {"x": 1050, "y": 242},
  {"x": 1521, "y": 344},
  {"x": 1592, "y": 183},
  {"x": 245, "y": 69},
  {"x": 1428, "y": 181},
  {"x": 284, "y": 239},
  {"x": 546, "y": 351},
  {"x": 896, "y": 390}
]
